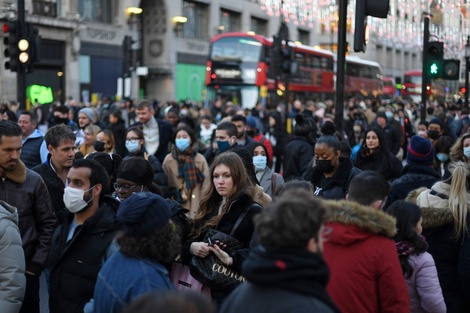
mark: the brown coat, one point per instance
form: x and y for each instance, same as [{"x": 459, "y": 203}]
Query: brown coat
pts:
[{"x": 170, "y": 167}]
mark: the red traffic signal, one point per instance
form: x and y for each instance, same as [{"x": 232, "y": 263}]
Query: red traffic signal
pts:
[{"x": 10, "y": 42}]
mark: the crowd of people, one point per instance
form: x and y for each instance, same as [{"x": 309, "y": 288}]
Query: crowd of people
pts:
[{"x": 371, "y": 216}]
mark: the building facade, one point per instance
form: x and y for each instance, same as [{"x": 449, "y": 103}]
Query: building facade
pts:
[{"x": 82, "y": 53}]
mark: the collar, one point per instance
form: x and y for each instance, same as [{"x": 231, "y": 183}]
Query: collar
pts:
[{"x": 18, "y": 175}]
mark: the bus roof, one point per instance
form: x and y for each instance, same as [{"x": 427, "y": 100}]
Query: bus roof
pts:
[
  {"x": 269, "y": 41},
  {"x": 358, "y": 60},
  {"x": 416, "y": 72}
]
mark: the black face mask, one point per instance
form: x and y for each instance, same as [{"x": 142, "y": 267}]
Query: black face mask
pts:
[
  {"x": 324, "y": 166},
  {"x": 99, "y": 146},
  {"x": 61, "y": 120},
  {"x": 433, "y": 134}
]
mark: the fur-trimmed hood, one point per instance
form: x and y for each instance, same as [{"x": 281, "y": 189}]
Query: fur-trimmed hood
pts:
[
  {"x": 434, "y": 203},
  {"x": 261, "y": 197},
  {"x": 353, "y": 222},
  {"x": 18, "y": 175}
]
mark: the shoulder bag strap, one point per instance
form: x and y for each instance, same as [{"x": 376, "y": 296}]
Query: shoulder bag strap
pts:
[{"x": 240, "y": 219}]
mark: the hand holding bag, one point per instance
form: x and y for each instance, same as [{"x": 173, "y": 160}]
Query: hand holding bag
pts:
[{"x": 210, "y": 270}]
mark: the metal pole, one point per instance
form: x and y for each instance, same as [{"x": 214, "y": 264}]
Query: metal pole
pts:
[
  {"x": 341, "y": 64},
  {"x": 424, "y": 78},
  {"x": 466, "y": 72},
  {"x": 21, "y": 75}
]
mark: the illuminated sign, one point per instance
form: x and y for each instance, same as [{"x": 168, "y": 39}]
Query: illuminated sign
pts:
[
  {"x": 42, "y": 93},
  {"x": 228, "y": 73}
]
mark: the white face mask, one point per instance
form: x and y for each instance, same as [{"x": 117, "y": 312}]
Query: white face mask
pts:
[
  {"x": 466, "y": 152},
  {"x": 73, "y": 199}
]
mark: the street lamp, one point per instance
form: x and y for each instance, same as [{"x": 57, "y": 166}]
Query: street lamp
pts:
[{"x": 467, "y": 61}]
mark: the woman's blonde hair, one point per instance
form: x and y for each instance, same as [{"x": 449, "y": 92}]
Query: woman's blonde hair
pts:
[
  {"x": 458, "y": 203},
  {"x": 211, "y": 199}
]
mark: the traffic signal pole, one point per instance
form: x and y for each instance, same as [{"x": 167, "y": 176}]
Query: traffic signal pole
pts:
[
  {"x": 424, "y": 75},
  {"x": 21, "y": 75},
  {"x": 341, "y": 65}
]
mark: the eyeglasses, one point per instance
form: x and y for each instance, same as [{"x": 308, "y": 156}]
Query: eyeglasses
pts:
[
  {"x": 124, "y": 188},
  {"x": 133, "y": 140}
]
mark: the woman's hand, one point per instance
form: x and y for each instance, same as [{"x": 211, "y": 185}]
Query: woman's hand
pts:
[
  {"x": 200, "y": 249},
  {"x": 221, "y": 254}
]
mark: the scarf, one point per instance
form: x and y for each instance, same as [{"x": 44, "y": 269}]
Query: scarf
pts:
[
  {"x": 405, "y": 248},
  {"x": 187, "y": 169}
]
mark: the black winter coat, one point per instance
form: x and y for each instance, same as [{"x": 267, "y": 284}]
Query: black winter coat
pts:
[
  {"x": 119, "y": 133},
  {"x": 297, "y": 155},
  {"x": 377, "y": 161},
  {"x": 413, "y": 177},
  {"x": 74, "y": 266},
  {"x": 336, "y": 186}
]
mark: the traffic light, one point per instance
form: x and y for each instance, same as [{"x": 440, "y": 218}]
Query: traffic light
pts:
[
  {"x": 451, "y": 69},
  {"x": 274, "y": 55},
  {"x": 10, "y": 42},
  {"x": 288, "y": 62},
  {"x": 364, "y": 8},
  {"x": 435, "y": 59},
  {"x": 127, "y": 55}
]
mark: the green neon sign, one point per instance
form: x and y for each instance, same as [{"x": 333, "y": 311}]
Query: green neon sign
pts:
[{"x": 42, "y": 93}]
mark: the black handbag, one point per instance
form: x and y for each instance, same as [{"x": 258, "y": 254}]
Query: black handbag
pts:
[{"x": 210, "y": 270}]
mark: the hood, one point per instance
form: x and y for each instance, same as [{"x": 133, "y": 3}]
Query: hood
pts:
[
  {"x": 8, "y": 212},
  {"x": 434, "y": 203},
  {"x": 261, "y": 197},
  {"x": 35, "y": 134},
  {"x": 353, "y": 222}
]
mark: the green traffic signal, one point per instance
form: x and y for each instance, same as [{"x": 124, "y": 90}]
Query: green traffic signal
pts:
[{"x": 434, "y": 69}]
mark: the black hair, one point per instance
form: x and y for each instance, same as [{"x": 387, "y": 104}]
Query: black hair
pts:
[
  {"x": 98, "y": 173},
  {"x": 190, "y": 132},
  {"x": 142, "y": 170},
  {"x": 328, "y": 130},
  {"x": 137, "y": 130},
  {"x": 62, "y": 109},
  {"x": 32, "y": 116},
  {"x": 367, "y": 187},
  {"x": 253, "y": 144},
  {"x": 407, "y": 215},
  {"x": 111, "y": 163},
  {"x": 229, "y": 127},
  {"x": 239, "y": 118},
  {"x": 295, "y": 184},
  {"x": 9, "y": 129}
]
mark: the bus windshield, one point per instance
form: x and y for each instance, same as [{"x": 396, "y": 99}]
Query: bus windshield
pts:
[
  {"x": 244, "y": 96},
  {"x": 236, "y": 49},
  {"x": 413, "y": 79}
]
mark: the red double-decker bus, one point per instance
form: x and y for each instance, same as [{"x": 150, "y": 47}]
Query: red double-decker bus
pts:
[
  {"x": 411, "y": 88},
  {"x": 237, "y": 71},
  {"x": 238, "y": 63}
]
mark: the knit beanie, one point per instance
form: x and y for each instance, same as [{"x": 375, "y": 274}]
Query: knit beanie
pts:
[
  {"x": 89, "y": 113},
  {"x": 143, "y": 213},
  {"x": 251, "y": 121},
  {"x": 420, "y": 151},
  {"x": 437, "y": 122}
]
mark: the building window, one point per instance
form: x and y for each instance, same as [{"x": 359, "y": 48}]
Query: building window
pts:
[
  {"x": 197, "y": 25},
  {"x": 95, "y": 10},
  {"x": 303, "y": 36},
  {"x": 259, "y": 26},
  {"x": 45, "y": 8},
  {"x": 230, "y": 21}
]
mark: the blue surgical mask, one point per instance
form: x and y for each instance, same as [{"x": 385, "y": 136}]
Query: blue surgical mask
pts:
[
  {"x": 260, "y": 161},
  {"x": 132, "y": 146},
  {"x": 466, "y": 152},
  {"x": 182, "y": 144},
  {"x": 442, "y": 157},
  {"x": 223, "y": 145}
]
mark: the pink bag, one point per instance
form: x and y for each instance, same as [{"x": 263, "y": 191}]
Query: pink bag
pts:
[{"x": 183, "y": 281}]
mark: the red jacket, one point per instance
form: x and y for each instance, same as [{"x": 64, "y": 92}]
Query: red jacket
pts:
[{"x": 366, "y": 276}]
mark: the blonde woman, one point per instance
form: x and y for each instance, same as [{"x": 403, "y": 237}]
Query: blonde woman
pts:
[
  {"x": 90, "y": 133},
  {"x": 445, "y": 226}
]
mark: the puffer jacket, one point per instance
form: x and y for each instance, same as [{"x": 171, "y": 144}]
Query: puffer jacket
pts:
[
  {"x": 451, "y": 254},
  {"x": 423, "y": 285},
  {"x": 12, "y": 265},
  {"x": 25, "y": 190},
  {"x": 366, "y": 275}
]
